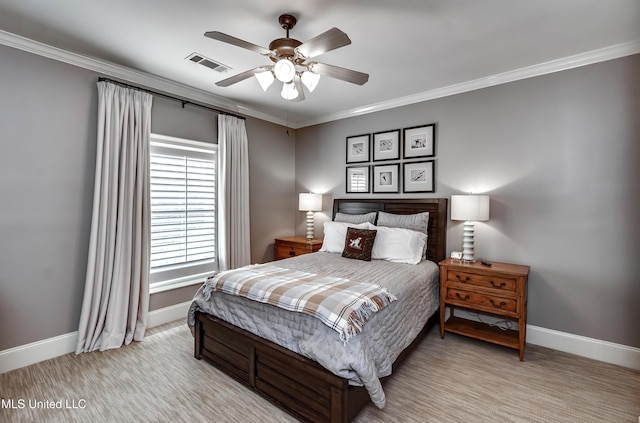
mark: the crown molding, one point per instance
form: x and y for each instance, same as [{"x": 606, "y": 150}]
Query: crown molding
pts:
[
  {"x": 570, "y": 62},
  {"x": 125, "y": 74},
  {"x": 175, "y": 88}
]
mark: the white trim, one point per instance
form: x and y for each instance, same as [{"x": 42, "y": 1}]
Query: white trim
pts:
[
  {"x": 126, "y": 74},
  {"x": 582, "y": 59},
  {"x": 605, "y": 351},
  {"x": 175, "y": 142},
  {"x": 168, "y": 314},
  {"x": 172, "y": 284},
  {"x": 583, "y": 346},
  {"x": 596, "y": 349},
  {"x": 35, "y": 352},
  {"x": 172, "y": 87}
]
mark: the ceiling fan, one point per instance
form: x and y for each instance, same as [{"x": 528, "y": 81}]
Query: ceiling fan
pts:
[{"x": 291, "y": 58}]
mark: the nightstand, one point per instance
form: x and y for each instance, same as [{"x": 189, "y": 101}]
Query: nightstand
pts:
[
  {"x": 294, "y": 246},
  {"x": 499, "y": 290}
]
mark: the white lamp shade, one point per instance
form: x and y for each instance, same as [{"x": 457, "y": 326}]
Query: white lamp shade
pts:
[
  {"x": 289, "y": 91},
  {"x": 310, "y": 202},
  {"x": 310, "y": 80},
  {"x": 470, "y": 207},
  {"x": 284, "y": 70},
  {"x": 265, "y": 79}
]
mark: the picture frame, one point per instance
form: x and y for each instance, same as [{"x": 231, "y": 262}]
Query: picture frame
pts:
[
  {"x": 386, "y": 145},
  {"x": 358, "y": 148},
  {"x": 419, "y": 141},
  {"x": 419, "y": 176},
  {"x": 357, "y": 179},
  {"x": 386, "y": 178}
]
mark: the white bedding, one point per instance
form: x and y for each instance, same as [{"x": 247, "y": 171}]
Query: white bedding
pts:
[{"x": 366, "y": 357}]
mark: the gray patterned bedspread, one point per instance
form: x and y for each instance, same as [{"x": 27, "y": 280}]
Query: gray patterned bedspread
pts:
[{"x": 367, "y": 356}]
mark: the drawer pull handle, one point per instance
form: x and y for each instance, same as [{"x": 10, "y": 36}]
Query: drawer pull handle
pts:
[
  {"x": 292, "y": 253},
  {"x": 502, "y": 284},
  {"x": 458, "y": 277},
  {"x": 494, "y": 303},
  {"x": 466, "y": 297}
]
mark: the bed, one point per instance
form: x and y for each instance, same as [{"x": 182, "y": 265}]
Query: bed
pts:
[{"x": 313, "y": 379}]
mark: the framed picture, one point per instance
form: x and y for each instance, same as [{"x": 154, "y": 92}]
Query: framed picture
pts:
[
  {"x": 386, "y": 178},
  {"x": 386, "y": 145},
  {"x": 357, "y": 179},
  {"x": 358, "y": 148},
  {"x": 420, "y": 141},
  {"x": 419, "y": 176}
]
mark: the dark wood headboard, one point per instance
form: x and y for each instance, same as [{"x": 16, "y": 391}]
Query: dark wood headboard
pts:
[{"x": 437, "y": 208}]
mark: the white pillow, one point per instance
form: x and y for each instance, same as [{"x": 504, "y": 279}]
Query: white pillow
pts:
[
  {"x": 398, "y": 245},
  {"x": 335, "y": 234}
]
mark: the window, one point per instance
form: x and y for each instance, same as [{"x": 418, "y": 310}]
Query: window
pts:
[{"x": 183, "y": 211}]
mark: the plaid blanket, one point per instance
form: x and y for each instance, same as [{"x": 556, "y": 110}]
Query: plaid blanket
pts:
[{"x": 341, "y": 304}]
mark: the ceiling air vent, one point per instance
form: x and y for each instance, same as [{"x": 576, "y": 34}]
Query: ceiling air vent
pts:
[{"x": 204, "y": 61}]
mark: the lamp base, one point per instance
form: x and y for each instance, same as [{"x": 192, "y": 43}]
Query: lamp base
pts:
[
  {"x": 467, "y": 242},
  {"x": 310, "y": 225}
]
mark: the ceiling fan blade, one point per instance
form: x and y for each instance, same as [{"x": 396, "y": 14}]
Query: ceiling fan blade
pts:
[
  {"x": 327, "y": 41},
  {"x": 237, "y": 42},
  {"x": 242, "y": 76},
  {"x": 337, "y": 72}
]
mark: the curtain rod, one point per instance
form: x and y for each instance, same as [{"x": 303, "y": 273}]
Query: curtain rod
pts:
[{"x": 181, "y": 100}]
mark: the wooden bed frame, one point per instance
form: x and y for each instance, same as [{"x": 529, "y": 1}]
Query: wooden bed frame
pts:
[{"x": 295, "y": 383}]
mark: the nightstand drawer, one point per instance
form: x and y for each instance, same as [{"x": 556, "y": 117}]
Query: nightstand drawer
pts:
[
  {"x": 286, "y": 251},
  {"x": 488, "y": 281},
  {"x": 469, "y": 298}
]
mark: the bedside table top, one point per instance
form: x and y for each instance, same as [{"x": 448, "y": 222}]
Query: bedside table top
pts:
[
  {"x": 300, "y": 240},
  {"x": 496, "y": 266}
]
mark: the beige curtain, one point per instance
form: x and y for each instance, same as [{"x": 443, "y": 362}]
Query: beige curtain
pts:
[
  {"x": 234, "y": 249},
  {"x": 116, "y": 295}
]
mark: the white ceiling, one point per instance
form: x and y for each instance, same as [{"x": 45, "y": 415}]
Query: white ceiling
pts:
[{"x": 412, "y": 49}]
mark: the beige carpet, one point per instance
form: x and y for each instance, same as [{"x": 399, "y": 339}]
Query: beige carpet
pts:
[{"x": 452, "y": 380}]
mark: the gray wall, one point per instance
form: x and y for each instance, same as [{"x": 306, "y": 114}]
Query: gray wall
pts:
[
  {"x": 558, "y": 154},
  {"x": 47, "y": 161},
  {"x": 272, "y": 199},
  {"x": 47, "y": 138}
]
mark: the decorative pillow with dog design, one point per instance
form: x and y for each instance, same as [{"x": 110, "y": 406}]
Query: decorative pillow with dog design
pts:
[{"x": 359, "y": 243}]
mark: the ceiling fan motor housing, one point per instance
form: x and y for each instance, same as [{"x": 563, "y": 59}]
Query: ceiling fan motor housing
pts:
[{"x": 284, "y": 48}]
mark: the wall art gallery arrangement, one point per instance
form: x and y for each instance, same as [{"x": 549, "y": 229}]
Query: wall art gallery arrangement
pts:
[{"x": 374, "y": 163}]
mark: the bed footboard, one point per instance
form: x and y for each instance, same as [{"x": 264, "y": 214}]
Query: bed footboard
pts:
[{"x": 294, "y": 383}]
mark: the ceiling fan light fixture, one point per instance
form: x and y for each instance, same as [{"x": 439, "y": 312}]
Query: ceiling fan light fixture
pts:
[
  {"x": 289, "y": 91},
  {"x": 310, "y": 80},
  {"x": 284, "y": 70},
  {"x": 265, "y": 79}
]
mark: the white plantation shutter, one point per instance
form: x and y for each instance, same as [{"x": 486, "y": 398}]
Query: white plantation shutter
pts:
[
  {"x": 183, "y": 209},
  {"x": 358, "y": 182}
]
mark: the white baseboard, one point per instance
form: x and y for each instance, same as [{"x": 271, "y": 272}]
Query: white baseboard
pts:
[
  {"x": 38, "y": 351},
  {"x": 583, "y": 346},
  {"x": 35, "y": 352},
  {"x": 596, "y": 349},
  {"x": 609, "y": 352},
  {"x": 168, "y": 314}
]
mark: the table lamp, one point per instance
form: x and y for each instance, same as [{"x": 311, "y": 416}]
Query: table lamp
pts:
[
  {"x": 310, "y": 203},
  {"x": 469, "y": 208}
]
